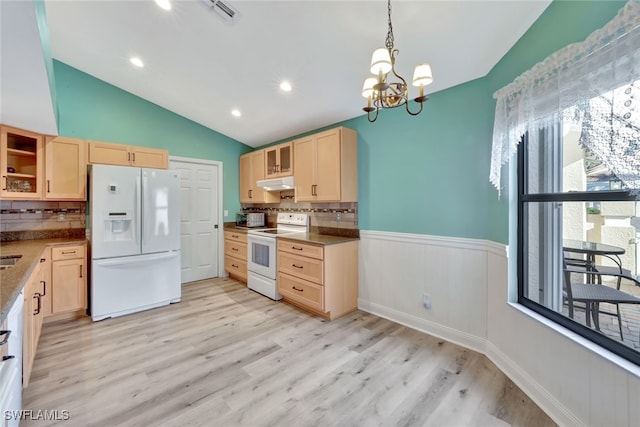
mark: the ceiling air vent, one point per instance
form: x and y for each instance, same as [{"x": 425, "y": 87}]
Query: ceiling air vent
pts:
[{"x": 223, "y": 9}]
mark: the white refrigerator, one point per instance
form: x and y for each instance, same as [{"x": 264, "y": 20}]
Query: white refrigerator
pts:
[{"x": 135, "y": 239}]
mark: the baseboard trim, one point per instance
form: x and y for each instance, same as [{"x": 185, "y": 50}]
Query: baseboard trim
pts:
[
  {"x": 549, "y": 404},
  {"x": 556, "y": 410},
  {"x": 431, "y": 328}
]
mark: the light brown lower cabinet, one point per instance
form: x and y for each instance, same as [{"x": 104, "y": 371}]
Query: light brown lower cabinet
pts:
[
  {"x": 69, "y": 279},
  {"x": 57, "y": 285},
  {"x": 33, "y": 315},
  {"x": 235, "y": 255},
  {"x": 322, "y": 279}
]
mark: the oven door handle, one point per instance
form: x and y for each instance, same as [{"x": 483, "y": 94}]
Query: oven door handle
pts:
[{"x": 251, "y": 238}]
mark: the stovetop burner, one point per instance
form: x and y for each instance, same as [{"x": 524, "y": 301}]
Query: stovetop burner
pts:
[{"x": 288, "y": 223}]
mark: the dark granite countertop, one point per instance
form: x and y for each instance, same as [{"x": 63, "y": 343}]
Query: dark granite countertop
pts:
[
  {"x": 12, "y": 280},
  {"x": 320, "y": 239}
]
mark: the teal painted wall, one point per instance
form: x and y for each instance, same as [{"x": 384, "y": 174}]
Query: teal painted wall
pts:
[
  {"x": 92, "y": 109},
  {"x": 563, "y": 23},
  {"x": 426, "y": 174},
  {"x": 430, "y": 174}
]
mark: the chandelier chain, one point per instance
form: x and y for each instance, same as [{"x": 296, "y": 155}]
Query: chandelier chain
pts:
[{"x": 389, "y": 42}]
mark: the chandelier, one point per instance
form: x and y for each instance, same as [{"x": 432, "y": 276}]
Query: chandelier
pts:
[{"x": 387, "y": 91}]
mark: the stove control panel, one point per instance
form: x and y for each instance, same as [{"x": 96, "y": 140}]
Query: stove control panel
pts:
[{"x": 293, "y": 218}]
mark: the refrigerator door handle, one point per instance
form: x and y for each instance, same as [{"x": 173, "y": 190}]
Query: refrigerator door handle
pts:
[
  {"x": 137, "y": 212},
  {"x": 144, "y": 225}
]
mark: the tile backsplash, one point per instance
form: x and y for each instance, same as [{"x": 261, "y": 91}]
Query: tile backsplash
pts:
[
  {"x": 41, "y": 215},
  {"x": 326, "y": 215}
]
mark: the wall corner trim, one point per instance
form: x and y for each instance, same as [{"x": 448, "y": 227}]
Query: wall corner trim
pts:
[
  {"x": 438, "y": 330},
  {"x": 552, "y": 406}
]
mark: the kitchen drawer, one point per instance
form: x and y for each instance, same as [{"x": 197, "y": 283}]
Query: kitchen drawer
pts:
[
  {"x": 301, "y": 291},
  {"x": 235, "y": 249},
  {"x": 306, "y": 268},
  {"x": 305, "y": 249},
  {"x": 235, "y": 236},
  {"x": 67, "y": 252},
  {"x": 235, "y": 266}
]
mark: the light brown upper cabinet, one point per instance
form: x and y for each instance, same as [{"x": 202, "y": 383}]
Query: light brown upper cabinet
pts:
[
  {"x": 278, "y": 160},
  {"x": 21, "y": 164},
  {"x": 65, "y": 169},
  {"x": 326, "y": 166},
  {"x": 107, "y": 153},
  {"x": 252, "y": 170}
]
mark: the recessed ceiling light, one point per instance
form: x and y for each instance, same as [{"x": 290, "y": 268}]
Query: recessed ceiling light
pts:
[
  {"x": 165, "y": 4},
  {"x": 137, "y": 61},
  {"x": 285, "y": 86},
  {"x": 236, "y": 113}
]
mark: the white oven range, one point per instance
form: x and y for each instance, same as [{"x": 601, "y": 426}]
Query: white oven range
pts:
[{"x": 262, "y": 252}]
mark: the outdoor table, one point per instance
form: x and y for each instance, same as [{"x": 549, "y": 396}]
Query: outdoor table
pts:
[{"x": 593, "y": 249}]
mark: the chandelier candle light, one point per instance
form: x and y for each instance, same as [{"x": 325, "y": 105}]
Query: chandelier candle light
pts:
[{"x": 381, "y": 91}]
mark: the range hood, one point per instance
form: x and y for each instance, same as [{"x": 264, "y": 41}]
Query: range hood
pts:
[{"x": 276, "y": 184}]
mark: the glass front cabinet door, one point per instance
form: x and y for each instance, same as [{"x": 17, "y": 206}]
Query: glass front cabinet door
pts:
[
  {"x": 279, "y": 160},
  {"x": 21, "y": 155}
]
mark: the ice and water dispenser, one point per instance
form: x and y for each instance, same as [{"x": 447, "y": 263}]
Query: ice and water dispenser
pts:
[{"x": 119, "y": 224}]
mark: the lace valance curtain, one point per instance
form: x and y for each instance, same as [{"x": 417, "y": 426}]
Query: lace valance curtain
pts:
[{"x": 595, "y": 83}]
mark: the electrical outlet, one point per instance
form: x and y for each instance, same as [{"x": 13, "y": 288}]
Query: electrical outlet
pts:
[
  {"x": 426, "y": 301},
  {"x": 338, "y": 216},
  {"x": 226, "y": 214}
]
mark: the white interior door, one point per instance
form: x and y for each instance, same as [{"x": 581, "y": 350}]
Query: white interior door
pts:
[{"x": 200, "y": 226}]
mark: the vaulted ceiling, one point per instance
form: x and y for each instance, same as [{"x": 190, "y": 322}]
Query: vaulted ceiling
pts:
[{"x": 200, "y": 66}]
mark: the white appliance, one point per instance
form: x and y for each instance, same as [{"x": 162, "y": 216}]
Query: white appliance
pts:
[
  {"x": 11, "y": 367},
  {"x": 277, "y": 184},
  {"x": 262, "y": 252},
  {"x": 135, "y": 239}
]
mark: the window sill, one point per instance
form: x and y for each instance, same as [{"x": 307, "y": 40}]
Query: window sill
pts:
[{"x": 587, "y": 344}]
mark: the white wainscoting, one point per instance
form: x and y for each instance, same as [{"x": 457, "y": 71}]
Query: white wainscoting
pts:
[
  {"x": 467, "y": 282},
  {"x": 397, "y": 269}
]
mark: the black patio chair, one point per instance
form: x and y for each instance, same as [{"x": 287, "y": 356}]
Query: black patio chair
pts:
[{"x": 594, "y": 292}]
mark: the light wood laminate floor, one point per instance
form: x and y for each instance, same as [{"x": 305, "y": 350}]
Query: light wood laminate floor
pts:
[{"x": 226, "y": 356}]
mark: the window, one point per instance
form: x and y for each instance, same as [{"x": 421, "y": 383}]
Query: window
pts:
[
  {"x": 574, "y": 121},
  {"x": 579, "y": 228}
]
